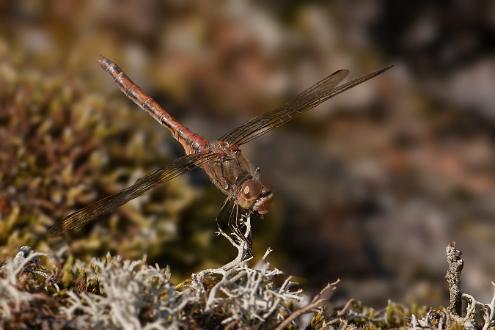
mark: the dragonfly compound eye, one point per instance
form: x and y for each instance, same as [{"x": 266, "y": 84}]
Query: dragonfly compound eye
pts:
[
  {"x": 254, "y": 195},
  {"x": 251, "y": 189}
]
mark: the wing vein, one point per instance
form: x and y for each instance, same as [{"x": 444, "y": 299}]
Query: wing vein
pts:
[
  {"x": 80, "y": 218},
  {"x": 308, "y": 99}
]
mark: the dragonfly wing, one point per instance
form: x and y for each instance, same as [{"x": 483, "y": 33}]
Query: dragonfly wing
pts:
[
  {"x": 81, "y": 217},
  {"x": 305, "y": 101}
]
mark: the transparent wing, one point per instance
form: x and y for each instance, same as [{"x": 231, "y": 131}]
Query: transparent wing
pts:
[
  {"x": 307, "y": 100},
  {"x": 81, "y": 217}
]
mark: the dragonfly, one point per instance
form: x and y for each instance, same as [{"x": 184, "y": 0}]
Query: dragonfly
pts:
[{"x": 222, "y": 160}]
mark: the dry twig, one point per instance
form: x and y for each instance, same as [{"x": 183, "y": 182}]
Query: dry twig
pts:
[
  {"x": 453, "y": 278},
  {"x": 317, "y": 301}
]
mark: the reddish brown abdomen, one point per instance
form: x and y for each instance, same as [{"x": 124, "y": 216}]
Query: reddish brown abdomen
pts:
[{"x": 190, "y": 141}]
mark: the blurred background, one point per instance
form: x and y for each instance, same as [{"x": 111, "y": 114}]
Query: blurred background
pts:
[{"x": 370, "y": 188}]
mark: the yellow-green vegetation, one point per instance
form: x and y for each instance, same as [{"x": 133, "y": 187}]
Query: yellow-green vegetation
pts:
[
  {"x": 64, "y": 143},
  {"x": 63, "y": 146}
]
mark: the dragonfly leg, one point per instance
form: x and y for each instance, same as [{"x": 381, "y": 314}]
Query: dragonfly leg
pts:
[
  {"x": 242, "y": 232},
  {"x": 239, "y": 233},
  {"x": 232, "y": 225},
  {"x": 222, "y": 214},
  {"x": 246, "y": 236}
]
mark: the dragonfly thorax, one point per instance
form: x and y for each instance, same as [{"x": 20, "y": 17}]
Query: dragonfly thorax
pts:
[{"x": 234, "y": 175}]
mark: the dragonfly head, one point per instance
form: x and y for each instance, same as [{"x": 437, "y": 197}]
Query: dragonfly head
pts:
[{"x": 254, "y": 195}]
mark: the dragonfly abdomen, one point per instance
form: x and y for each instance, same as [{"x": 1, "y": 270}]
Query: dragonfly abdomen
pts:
[{"x": 190, "y": 141}]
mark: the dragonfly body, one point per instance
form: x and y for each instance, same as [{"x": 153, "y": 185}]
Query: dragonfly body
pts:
[
  {"x": 221, "y": 160},
  {"x": 235, "y": 177},
  {"x": 230, "y": 172}
]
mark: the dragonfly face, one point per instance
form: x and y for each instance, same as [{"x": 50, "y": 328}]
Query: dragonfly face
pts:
[{"x": 255, "y": 196}]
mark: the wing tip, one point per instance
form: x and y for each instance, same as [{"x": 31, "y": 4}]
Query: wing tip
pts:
[
  {"x": 343, "y": 73},
  {"x": 60, "y": 226},
  {"x": 375, "y": 73},
  {"x": 388, "y": 67},
  {"x": 382, "y": 70},
  {"x": 55, "y": 230}
]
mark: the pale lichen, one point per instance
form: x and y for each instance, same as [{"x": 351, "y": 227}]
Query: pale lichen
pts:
[
  {"x": 131, "y": 295},
  {"x": 11, "y": 296},
  {"x": 115, "y": 293}
]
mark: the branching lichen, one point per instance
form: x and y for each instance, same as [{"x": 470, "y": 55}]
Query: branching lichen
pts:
[
  {"x": 316, "y": 302},
  {"x": 131, "y": 295},
  {"x": 11, "y": 296},
  {"x": 114, "y": 293}
]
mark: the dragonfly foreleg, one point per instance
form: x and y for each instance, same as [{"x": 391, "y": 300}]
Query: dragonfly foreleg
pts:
[
  {"x": 242, "y": 232},
  {"x": 239, "y": 232}
]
